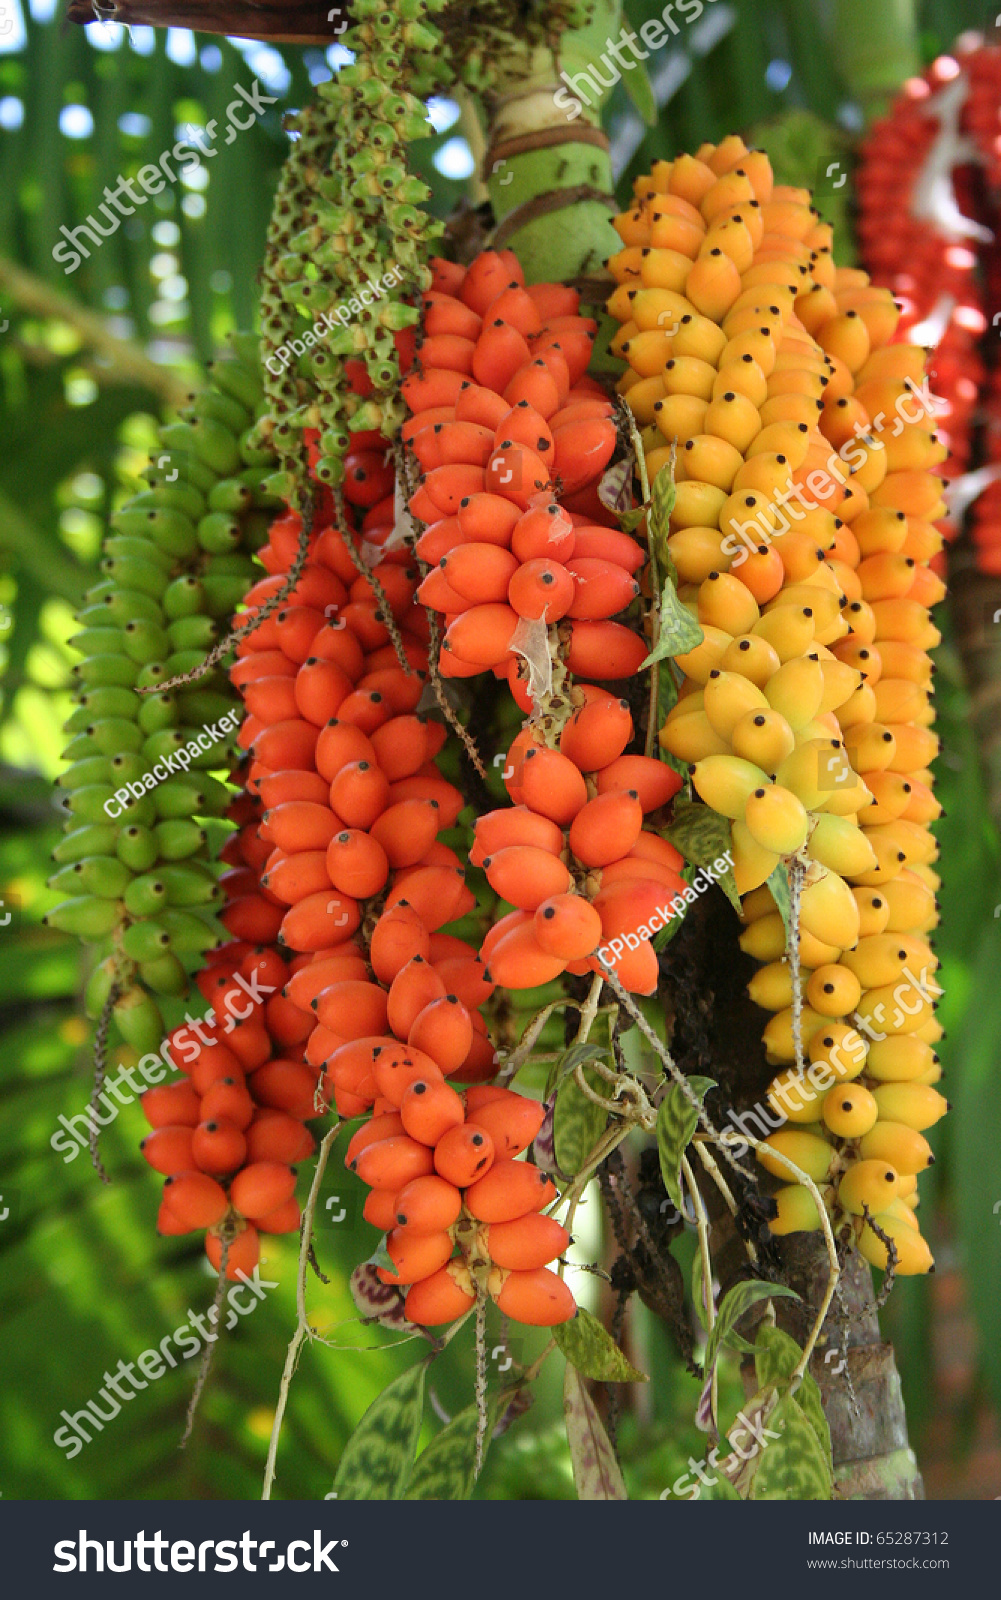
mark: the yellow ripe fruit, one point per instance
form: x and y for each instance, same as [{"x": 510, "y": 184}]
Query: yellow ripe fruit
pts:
[
  {"x": 692, "y": 738},
  {"x": 789, "y": 630},
  {"x": 632, "y": 227},
  {"x": 730, "y": 236},
  {"x": 874, "y": 911},
  {"x": 880, "y": 531},
  {"x": 913, "y": 1254},
  {"x": 674, "y": 235},
  {"x": 862, "y": 621},
  {"x": 933, "y": 1074},
  {"x": 743, "y": 377},
  {"x": 763, "y": 737},
  {"x": 908, "y": 1189},
  {"x": 665, "y": 268},
  {"x": 789, "y": 439},
  {"x": 779, "y": 1042},
  {"x": 870, "y": 747},
  {"x": 690, "y": 178},
  {"x": 815, "y": 306},
  {"x": 839, "y": 843},
  {"x": 847, "y": 337},
  {"x": 757, "y": 343},
  {"x": 620, "y": 302},
  {"x": 899, "y": 1209},
  {"x": 655, "y": 308},
  {"x": 848, "y": 800},
  {"x": 752, "y": 865},
  {"x": 833, "y": 990},
  {"x": 841, "y": 417},
  {"x": 923, "y": 540},
  {"x": 733, "y": 418},
  {"x": 891, "y": 792},
  {"x": 756, "y": 166},
  {"x": 617, "y": 345},
  {"x": 889, "y": 860},
  {"x": 800, "y": 554},
  {"x": 858, "y": 710},
  {"x": 914, "y": 748},
  {"x": 745, "y": 318},
  {"x": 796, "y": 691},
  {"x": 776, "y": 819},
  {"x": 881, "y": 959},
  {"x": 710, "y": 460},
  {"x": 713, "y": 284},
  {"x": 828, "y": 911},
  {"x": 796, "y": 381},
  {"x": 906, "y": 621},
  {"x": 917, "y": 842},
  {"x": 726, "y": 782},
  {"x": 766, "y": 474},
  {"x": 696, "y": 505},
  {"x": 919, "y": 494},
  {"x": 771, "y": 986},
  {"x": 679, "y": 416},
  {"x": 840, "y": 1049},
  {"x": 850, "y": 1110},
  {"x": 751, "y": 656},
  {"x": 916, "y": 1105},
  {"x": 812, "y": 1154},
  {"x": 705, "y": 657},
  {"x": 902, "y": 1059},
  {"x": 881, "y": 1011},
  {"x": 731, "y": 188},
  {"x": 799, "y": 409},
  {"x": 699, "y": 336},
  {"x": 868, "y": 1183},
  {"x": 840, "y": 684},
  {"x": 865, "y": 658},
  {"x": 760, "y": 903},
  {"x": 867, "y": 463},
  {"x": 725, "y": 603},
  {"x": 696, "y": 552},
  {"x": 822, "y": 604},
  {"x": 727, "y": 697},
  {"x": 896, "y": 363},
  {"x": 643, "y": 397},
  {"x": 765, "y": 939},
  {"x": 922, "y": 806},
  {"x": 792, "y": 1095},
  {"x": 797, "y": 1211},
  {"x": 646, "y": 352},
  {"x": 931, "y": 1032},
  {"x": 811, "y": 769},
  {"x": 690, "y": 700},
  {"x": 885, "y": 576},
  {"x": 687, "y": 375}
]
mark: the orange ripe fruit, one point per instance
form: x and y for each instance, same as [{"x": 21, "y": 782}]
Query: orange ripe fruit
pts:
[
  {"x": 437, "y": 894},
  {"x": 320, "y": 686},
  {"x": 537, "y": 1298},
  {"x": 481, "y": 1062},
  {"x": 407, "y": 830},
  {"x": 512, "y": 1121},
  {"x": 464, "y": 977},
  {"x": 443, "y": 1030},
  {"x": 479, "y": 572},
  {"x": 358, "y": 794},
  {"x": 398, "y": 936},
  {"x": 525, "y": 875},
  {"x": 195, "y": 1200},
  {"x": 262, "y": 1187},
  {"x": 277, "y": 1136},
  {"x": 443, "y": 1297},
  {"x": 384, "y": 1126},
  {"x": 606, "y": 828},
  {"x": 567, "y": 926},
  {"x": 527, "y": 1242},
  {"x": 428, "y": 1205},
  {"x": 356, "y": 864},
  {"x": 513, "y": 825},
  {"x": 481, "y": 635},
  {"x": 414, "y": 987},
  {"x": 605, "y": 650},
  {"x": 339, "y": 744},
  {"x": 552, "y": 785},
  {"x": 284, "y": 1219},
  {"x": 415, "y": 1255},
  {"x": 390, "y": 1163},
  {"x": 171, "y": 1105},
  {"x": 169, "y": 1150},
  {"x": 518, "y": 960},
  {"x": 354, "y": 1009},
  {"x": 653, "y": 781},
  {"x": 601, "y": 588},
  {"x": 402, "y": 744},
  {"x": 317, "y": 920},
  {"x": 218, "y": 1146},
  {"x": 398, "y": 1065},
  {"x": 464, "y": 1154},
  {"x": 597, "y": 733},
  {"x": 285, "y": 1086},
  {"x": 243, "y": 1255},
  {"x": 544, "y": 532},
  {"x": 293, "y": 878},
  {"x": 541, "y": 587},
  {"x": 380, "y": 1209},
  {"x": 508, "y": 1190},
  {"x": 429, "y": 1108}
]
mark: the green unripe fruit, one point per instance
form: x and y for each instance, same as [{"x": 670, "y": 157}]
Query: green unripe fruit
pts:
[
  {"x": 191, "y": 633},
  {"x": 131, "y": 572},
  {"x": 146, "y": 896},
  {"x": 129, "y": 767},
  {"x": 137, "y": 848},
  {"x": 191, "y": 885},
  {"x": 157, "y": 711},
  {"x": 152, "y": 675},
  {"x": 145, "y": 641},
  {"x": 165, "y": 976},
  {"x": 208, "y": 442},
  {"x": 124, "y": 605},
  {"x": 177, "y": 496},
  {"x": 183, "y": 661},
  {"x": 115, "y": 735},
  {"x": 131, "y": 548},
  {"x": 105, "y": 876},
  {"x": 99, "y": 986},
  {"x": 213, "y": 406},
  {"x": 200, "y": 708},
  {"x": 86, "y": 915},
  {"x": 96, "y": 641},
  {"x": 186, "y": 797},
  {"x": 93, "y": 839},
  {"x": 189, "y": 935},
  {"x": 219, "y": 532},
  {"x": 139, "y": 1021},
  {"x": 176, "y": 840},
  {"x": 81, "y": 748},
  {"x": 222, "y": 595},
  {"x": 145, "y": 941},
  {"x": 88, "y": 803},
  {"x": 106, "y": 672},
  {"x": 97, "y": 703},
  {"x": 184, "y": 598},
  {"x": 92, "y": 769},
  {"x": 231, "y": 496}
]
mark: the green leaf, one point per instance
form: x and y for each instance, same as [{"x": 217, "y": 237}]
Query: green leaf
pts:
[
  {"x": 640, "y": 91},
  {"x": 446, "y": 1469},
  {"x": 596, "y": 1471},
  {"x": 662, "y": 497},
  {"x": 629, "y": 521},
  {"x": 793, "y": 1466},
  {"x": 698, "y": 1296},
  {"x": 703, "y": 836},
  {"x": 577, "y": 1123},
  {"x": 677, "y": 1120},
  {"x": 778, "y": 883},
  {"x": 381, "y": 1257},
  {"x": 776, "y": 1356},
  {"x": 591, "y": 1349},
  {"x": 678, "y": 631},
  {"x": 721, "y": 1489},
  {"x": 379, "y": 1455},
  {"x": 575, "y": 1056},
  {"x": 734, "y": 1304}
]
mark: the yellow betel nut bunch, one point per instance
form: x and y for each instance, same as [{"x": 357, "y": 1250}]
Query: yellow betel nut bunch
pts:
[{"x": 802, "y": 534}]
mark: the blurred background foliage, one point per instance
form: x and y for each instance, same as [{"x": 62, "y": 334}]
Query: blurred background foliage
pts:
[{"x": 86, "y": 363}]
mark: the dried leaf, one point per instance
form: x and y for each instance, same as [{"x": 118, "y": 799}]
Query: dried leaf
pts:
[
  {"x": 596, "y": 1472},
  {"x": 589, "y": 1347},
  {"x": 530, "y": 640}
]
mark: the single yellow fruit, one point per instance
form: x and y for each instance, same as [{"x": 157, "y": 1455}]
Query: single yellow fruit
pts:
[
  {"x": 841, "y": 1049},
  {"x": 913, "y": 1254},
  {"x": 828, "y": 910},
  {"x": 726, "y": 782},
  {"x": 840, "y": 844},
  {"x": 833, "y": 990},
  {"x": 776, "y": 819},
  {"x": 727, "y": 696},
  {"x": 778, "y": 1035},
  {"x": 752, "y": 865},
  {"x": 811, "y": 1154},
  {"x": 868, "y": 1183},
  {"x": 916, "y": 1105},
  {"x": 797, "y": 1211},
  {"x": 902, "y": 1147},
  {"x": 796, "y": 691},
  {"x": 902, "y": 1059}
]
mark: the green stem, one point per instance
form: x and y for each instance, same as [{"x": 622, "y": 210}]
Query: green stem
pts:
[{"x": 877, "y": 47}]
